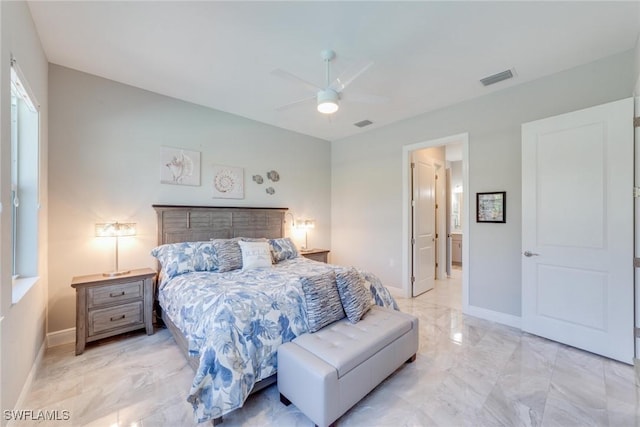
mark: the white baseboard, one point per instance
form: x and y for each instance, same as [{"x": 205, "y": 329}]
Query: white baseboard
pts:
[
  {"x": 494, "y": 316},
  {"x": 64, "y": 336},
  {"x": 32, "y": 374},
  {"x": 396, "y": 292}
]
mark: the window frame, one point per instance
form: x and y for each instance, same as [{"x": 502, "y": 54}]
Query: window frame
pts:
[{"x": 21, "y": 92}]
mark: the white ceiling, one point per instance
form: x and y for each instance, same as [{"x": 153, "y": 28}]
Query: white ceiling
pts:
[{"x": 425, "y": 55}]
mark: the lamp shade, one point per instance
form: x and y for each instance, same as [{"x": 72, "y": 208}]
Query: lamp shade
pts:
[
  {"x": 116, "y": 229},
  {"x": 305, "y": 224},
  {"x": 308, "y": 223}
]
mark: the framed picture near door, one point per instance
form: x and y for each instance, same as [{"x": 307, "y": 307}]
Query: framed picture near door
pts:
[{"x": 491, "y": 207}]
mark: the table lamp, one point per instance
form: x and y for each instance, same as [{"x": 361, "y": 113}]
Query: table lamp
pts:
[
  {"x": 305, "y": 225},
  {"x": 117, "y": 230}
]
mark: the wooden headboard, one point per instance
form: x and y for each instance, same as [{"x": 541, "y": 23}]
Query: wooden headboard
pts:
[{"x": 201, "y": 223}]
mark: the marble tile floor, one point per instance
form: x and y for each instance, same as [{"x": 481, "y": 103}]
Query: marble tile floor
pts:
[{"x": 469, "y": 372}]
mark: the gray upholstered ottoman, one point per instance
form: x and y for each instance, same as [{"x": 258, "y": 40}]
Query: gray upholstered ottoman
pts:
[{"x": 327, "y": 372}]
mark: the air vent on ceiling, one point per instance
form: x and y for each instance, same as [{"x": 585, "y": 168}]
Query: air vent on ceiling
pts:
[
  {"x": 504, "y": 75},
  {"x": 363, "y": 123}
]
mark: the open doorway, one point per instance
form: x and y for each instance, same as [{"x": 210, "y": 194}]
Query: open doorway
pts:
[
  {"x": 447, "y": 158},
  {"x": 428, "y": 238}
]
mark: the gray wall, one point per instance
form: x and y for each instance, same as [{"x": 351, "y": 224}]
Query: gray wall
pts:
[
  {"x": 367, "y": 176},
  {"x": 23, "y": 324},
  {"x": 456, "y": 174},
  {"x": 105, "y": 165}
]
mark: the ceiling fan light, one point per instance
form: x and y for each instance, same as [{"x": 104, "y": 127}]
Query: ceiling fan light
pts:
[
  {"x": 328, "y": 101},
  {"x": 328, "y": 107}
]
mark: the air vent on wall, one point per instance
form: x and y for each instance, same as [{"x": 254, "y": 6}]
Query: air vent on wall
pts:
[
  {"x": 504, "y": 75},
  {"x": 363, "y": 123}
]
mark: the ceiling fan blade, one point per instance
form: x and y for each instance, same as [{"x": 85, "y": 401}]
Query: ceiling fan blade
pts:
[
  {"x": 291, "y": 77},
  {"x": 295, "y": 103},
  {"x": 363, "y": 98},
  {"x": 350, "y": 74}
]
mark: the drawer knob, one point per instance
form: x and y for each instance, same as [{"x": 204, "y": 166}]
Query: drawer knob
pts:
[
  {"x": 114, "y": 294},
  {"x": 114, "y": 318}
]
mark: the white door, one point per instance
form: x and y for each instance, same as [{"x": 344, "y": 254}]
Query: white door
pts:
[
  {"x": 577, "y": 229},
  {"x": 424, "y": 225}
]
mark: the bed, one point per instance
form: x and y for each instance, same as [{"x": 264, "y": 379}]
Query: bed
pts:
[{"x": 229, "y": 321}]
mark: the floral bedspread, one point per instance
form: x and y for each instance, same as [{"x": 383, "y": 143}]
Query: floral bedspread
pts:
[{"x": 235, "y": 321}]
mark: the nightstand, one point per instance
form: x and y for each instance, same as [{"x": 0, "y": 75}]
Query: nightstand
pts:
[
  {"x": 107, "y": 306},
  {"x": 315, "y": 254}
]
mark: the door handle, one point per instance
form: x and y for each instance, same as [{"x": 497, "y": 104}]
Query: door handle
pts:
[{"x": 530, "y": 254}]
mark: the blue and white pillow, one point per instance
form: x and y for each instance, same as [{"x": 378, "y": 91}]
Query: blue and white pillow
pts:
[
  {"x": 381, "y": 295},
  {"x": 322, "y": 300},
  {"x": 184, "y": 257},
  {"x": 283, "y": 249},
  {"x": 355, "y": 297}
]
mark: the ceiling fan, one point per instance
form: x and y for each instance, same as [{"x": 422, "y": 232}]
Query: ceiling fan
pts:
[{"x": 328, "y": 97}]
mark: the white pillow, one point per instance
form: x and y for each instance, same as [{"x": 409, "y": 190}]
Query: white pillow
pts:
[{"x": 255, "y": 255}]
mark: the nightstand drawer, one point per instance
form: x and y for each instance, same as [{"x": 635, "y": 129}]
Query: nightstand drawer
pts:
[
  {"x": 114, "y": 293},
  {"x": 116, "y": 317},
  {"x": 319, "y": 255}
]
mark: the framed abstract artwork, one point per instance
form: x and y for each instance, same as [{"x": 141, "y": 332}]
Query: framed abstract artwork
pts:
[
  {"x": 228, "y": 182},
  {"x": 491, "y": 207},
  {"x": 180, "y": 167}
]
